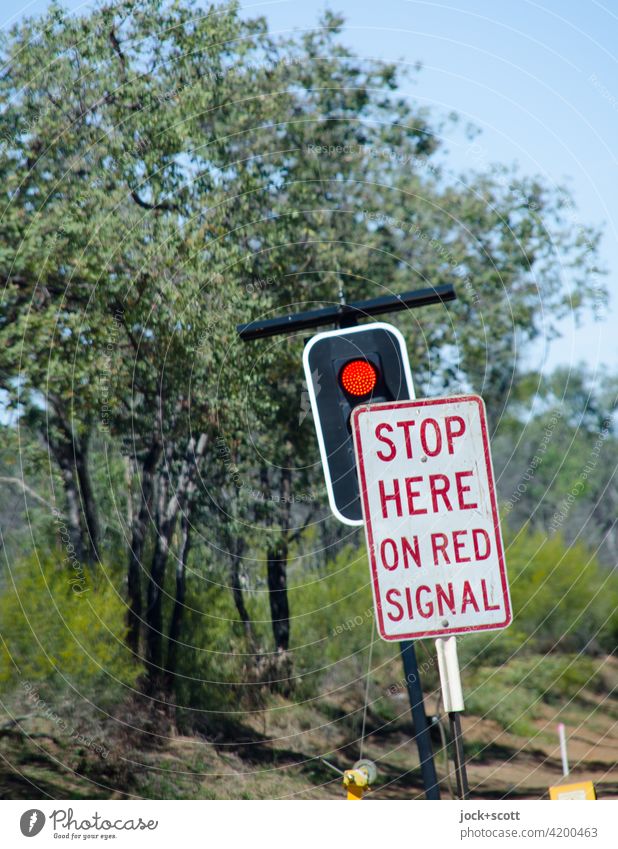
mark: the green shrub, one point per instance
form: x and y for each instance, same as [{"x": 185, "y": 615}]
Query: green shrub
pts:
[
  {"x": 564, "y": 606},
  {"x": 212, "y": 673},
  {"x": 562, "y": 597},
  {"x": 563, "y": 601},
  {"x": 59, "y": 627},
  {"x": 513, "y": 694}
]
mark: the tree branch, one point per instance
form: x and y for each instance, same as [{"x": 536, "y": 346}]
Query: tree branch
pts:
[
  {"x": 118, "y": 51},
  {"x": 164, "y": 205},
  {"x": 28, "y": 490},
  {"x": 298, "y": 532}
]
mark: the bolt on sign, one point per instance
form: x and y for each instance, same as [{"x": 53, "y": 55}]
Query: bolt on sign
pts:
[{"x": 431, "y": 517}]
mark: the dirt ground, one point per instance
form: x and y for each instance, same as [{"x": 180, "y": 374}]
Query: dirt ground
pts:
[{"x": 276, "y": 754}]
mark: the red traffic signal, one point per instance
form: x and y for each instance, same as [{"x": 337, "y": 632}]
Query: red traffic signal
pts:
[{"x": 359, "y": 378}]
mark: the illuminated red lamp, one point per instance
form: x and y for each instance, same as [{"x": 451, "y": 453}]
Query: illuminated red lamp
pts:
[{"x": 358, "y": 378}]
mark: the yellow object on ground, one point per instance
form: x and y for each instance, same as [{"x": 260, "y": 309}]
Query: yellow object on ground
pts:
[
  {"x": 357, "y": 779},
  {"x": 583, "y": 790}
]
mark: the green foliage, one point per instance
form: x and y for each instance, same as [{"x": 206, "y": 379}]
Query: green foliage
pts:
[
  {"x": 513, "y": 694},
  {"x": 563, "y": 601},
  {"x": 333, "y": 622},
  {"x": 170, "y": 157},
  {"x": 556, "y": 468},
  {"x": 214, "y": 661},
  {"x": 60, "y": 630}
]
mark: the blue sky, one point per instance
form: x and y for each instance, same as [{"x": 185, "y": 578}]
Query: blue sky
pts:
[{"x": 539, "y": 79}]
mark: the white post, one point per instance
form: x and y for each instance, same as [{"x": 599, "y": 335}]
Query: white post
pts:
[
  {"x": 450, "y": 679},
  {"x": 452, "y": 698},
  {"x": 563, "y": 748}
]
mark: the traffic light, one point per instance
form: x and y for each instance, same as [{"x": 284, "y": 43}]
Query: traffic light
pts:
[{"x": 345, "y": 368}]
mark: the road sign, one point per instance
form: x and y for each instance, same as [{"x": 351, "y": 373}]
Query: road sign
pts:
[{"x": 431, "y": 518}]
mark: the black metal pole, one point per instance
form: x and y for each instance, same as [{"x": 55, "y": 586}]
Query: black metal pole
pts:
[
  {"x": 463, "y": 790},
  {"x": 345, "y": 315},
  {"x": 421, "y": 729}
]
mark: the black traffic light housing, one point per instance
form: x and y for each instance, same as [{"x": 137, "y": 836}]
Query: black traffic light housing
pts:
[
  {"x": 380, "y": 344},
  {"x": 377, "y": 361}
]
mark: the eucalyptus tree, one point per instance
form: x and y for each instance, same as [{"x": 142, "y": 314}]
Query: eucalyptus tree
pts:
[{"x": 168, "y": 172}]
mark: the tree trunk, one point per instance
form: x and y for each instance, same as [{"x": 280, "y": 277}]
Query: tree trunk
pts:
[
  {"x": 239, "y": 600},
  {"x": 154, "y": 595},
  {"x": 89, "y": 507},
  {"x": 278, "y": 563},
  {"x": 278, "y": 596},
  {"x": 138, "y": 539},
  {"x": 179, "y": 601},
  {"x": 63, "y": 454},
  {"x": 166, "y": 517}
]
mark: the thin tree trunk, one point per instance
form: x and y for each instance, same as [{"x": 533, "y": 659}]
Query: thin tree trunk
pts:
[
  {"x": 166, "y": 517},
  {"x": 277, "y": 566},
  {"x": 89, "y": 507},
  {"x": 179, "y": 601},
  {"x": 138, "y": 539},
  {"x": 278, "y": 596},
  {"x": 154, "y": 594},
  {"x": 63, "y": 454},
  {"x": 239, "y": 600}
]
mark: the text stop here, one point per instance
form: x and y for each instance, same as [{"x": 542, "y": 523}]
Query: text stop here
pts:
[{"x": 431, "y": 519}]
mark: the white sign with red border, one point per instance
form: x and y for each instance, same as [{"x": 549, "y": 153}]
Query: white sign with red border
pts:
[{"x": 431, "y": 518}]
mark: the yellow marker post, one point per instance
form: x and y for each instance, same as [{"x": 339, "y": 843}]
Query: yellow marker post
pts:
[
  {"x": 355, "y": 783},
  {"x": 357, "y": 780},
  {"x": 583, "y": 790}
]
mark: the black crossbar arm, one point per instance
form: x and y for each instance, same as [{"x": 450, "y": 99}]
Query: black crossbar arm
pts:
[{"x": 344, "y": 314}]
